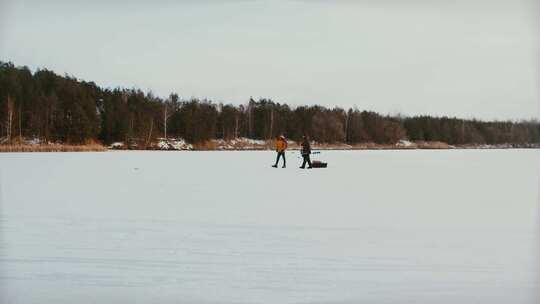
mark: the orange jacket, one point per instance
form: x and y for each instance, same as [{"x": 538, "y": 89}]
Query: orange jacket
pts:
[{"x": 281, "y": 145}]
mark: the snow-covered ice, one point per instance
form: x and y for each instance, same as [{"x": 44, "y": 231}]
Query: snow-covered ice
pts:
[{"x": 419, "y": 226}]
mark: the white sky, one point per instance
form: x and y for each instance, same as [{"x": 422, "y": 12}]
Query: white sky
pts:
[{"x": 466, "y": 58}]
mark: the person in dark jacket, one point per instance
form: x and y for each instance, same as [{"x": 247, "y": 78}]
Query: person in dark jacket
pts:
[
  {"x": 306, "y": 151},
  {"x": 281, "y": 146}
]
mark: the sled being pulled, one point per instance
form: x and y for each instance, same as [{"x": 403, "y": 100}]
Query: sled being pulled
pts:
[{"x": 318, "y": 164}]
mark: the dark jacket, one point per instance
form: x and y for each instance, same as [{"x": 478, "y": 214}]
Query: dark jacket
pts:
[{"x": 306, "y": 147}]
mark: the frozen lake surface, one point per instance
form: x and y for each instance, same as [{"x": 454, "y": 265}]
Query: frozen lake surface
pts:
[{"x": 224, "y": 227}]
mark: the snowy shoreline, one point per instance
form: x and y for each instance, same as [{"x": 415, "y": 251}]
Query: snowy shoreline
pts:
[
  {"x": 246, "y": 144},
  {"x": 105, "y": 149}
]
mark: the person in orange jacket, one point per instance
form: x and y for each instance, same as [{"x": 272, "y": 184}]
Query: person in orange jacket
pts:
[{"x": 281, "y": 146}]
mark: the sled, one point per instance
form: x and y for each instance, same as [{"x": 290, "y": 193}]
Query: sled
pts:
[{"x": 319, "y": 164}]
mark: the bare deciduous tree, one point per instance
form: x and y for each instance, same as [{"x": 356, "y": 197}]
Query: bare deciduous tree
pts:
[
  {"x": 166, "y": 116},
  {"x": 9, "y": 117}
]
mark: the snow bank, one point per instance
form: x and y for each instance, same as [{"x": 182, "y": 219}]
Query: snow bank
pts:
[
  {"x": 173, "y": 144},
  {"x": 404, "y": 143},
  {"x": 117, "y": 145},
  {"x": 241, "y": 143}
]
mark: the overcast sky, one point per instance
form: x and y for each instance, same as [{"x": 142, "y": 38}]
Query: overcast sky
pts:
[{"x": 462, "y": 58}]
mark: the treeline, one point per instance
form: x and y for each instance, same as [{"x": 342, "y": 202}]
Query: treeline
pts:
[{"x": 56, "y": 108}]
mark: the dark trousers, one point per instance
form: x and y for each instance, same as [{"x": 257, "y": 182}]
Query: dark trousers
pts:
[
  {"x": 280, "y": 154},
  {"x": 306, "y": 160}
]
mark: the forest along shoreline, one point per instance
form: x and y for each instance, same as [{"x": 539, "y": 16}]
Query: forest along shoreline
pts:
[
  {"x": 41, "y": 111},
  {"x": 244, "y": 144}
]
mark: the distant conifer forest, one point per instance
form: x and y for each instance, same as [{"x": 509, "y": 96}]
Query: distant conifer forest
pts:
[{"x": 56, "y": 108}]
